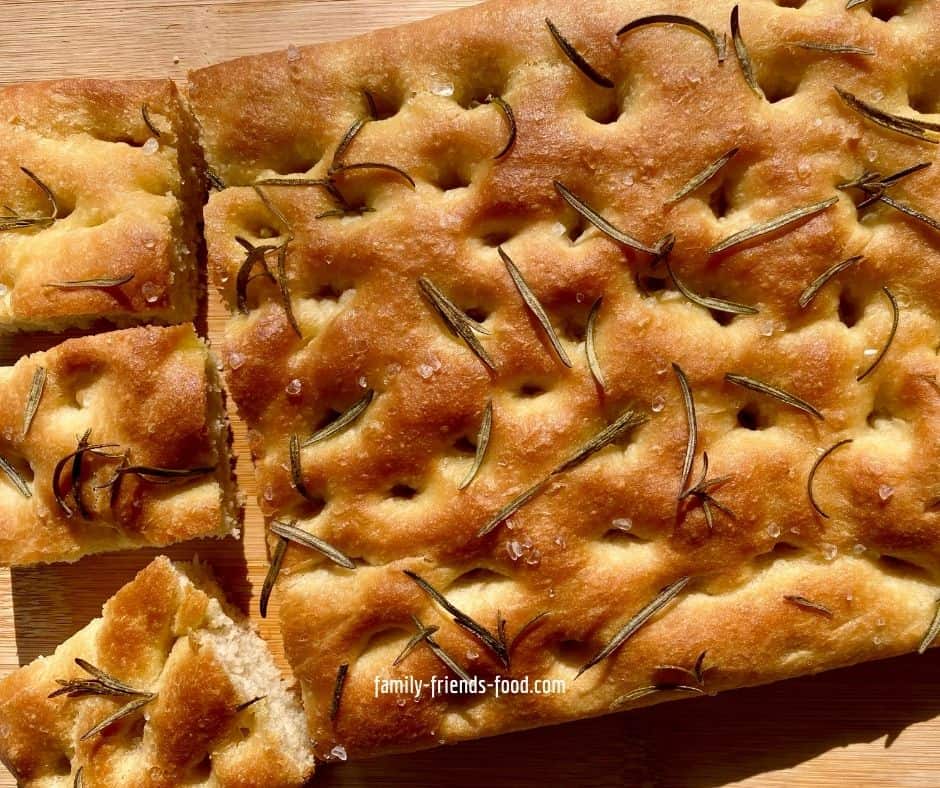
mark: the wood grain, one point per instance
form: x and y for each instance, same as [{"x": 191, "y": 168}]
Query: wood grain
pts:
[{"x": 873, "y": 725}]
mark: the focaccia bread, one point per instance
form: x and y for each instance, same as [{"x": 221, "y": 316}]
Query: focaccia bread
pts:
[
  {"x": 591, "y": 210},
  {"x": 169, "y": 687},
  {"x": 102, "y": 187},
  {"x": 113, "y": 441}
]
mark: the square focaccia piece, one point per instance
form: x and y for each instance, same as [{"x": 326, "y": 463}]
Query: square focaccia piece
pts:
[
  {"x": 586, "y": 345},
  {"x": 113, "y": 441},
  {"x": 101, "y": 194},
  {"x": 169, "y": 687}
]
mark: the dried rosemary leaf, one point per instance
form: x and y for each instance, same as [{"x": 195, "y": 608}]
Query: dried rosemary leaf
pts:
[
  {"x": 773, "y": 225},
  {"x": 274, "y": 211},
  {"x": 439, "y": 652},
  {"x": 77, "y": 475},
  {"x": 102, "y": 283},
  {"x": 837, "y": 49},
  {"x": 696, "y": 672},
  {"x": 324, "y": 183},
  {"x": 100, "y": 684},
  {"x": 524, "y": 630},
  {"x": 692, "y": 442},
  {"x": 510, "y": 117},
  {"x": 250, "y": 702},
  {"x": 907, "y": 126},
  {"x": 720, "y": 43},
  {"x": 534, "y": 306},
  {"x": 853, "y": 3},
  {"x": 456, "y": 320},
  {"x": 283, "y": 287},
  {"x": 277, "y": 558},
  {"x": 346, "y": 141},
  {"x": 812, "y": 474},
  {"x": 820, "y": 281},
  {"x": 895, "y": 318},
  {"x": 932, "y": 631},
  {"x": 654, "y": 689},
  {"x": 375, "y": 165},
  {"x": 576, "y": 58},
  {"x": 744, "y": 59},
  {"x": 33, "y": 398},
  {"x": 296, "y": 468},
  {"x": 513, "y": 506},
  {"x": 625, "y": 421},
  {"x": 909, "y": 211},
  {"x": 83, "y": 448},
  {"x": 145, "y": 113},
  {"x": 590, "y": 347},
  {"x": 155, "y": 475},
  {"x": 213, "y": 179},
  {"x": 701, "y": 491},
  {"x": 662, "y": 599},
  {"x": 486, "y": 637},
  {"x": 709, "y": 302},
  {"x": 16, "y": 222},
  {"x": 126, "y": 710},
  {"x": 772, "y": 391},
  {"x": 601, "y": 223},
  {"x": 294, "y": 534},
  {"x": 807, "y": 604},
  {"x": 704, "y": 176},
  {"x": 338, "y": 686},
  {"x": 79, "y": 781},
  {"x": 256, "y": 255},
  {"x": 422, "y": 634},
  {"x": 15, "y": 478},
  {"x": 483, "y": 440},
  {"x": 341, "y": 422}
]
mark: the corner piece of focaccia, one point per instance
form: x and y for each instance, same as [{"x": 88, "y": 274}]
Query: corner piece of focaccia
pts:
[
  {"x": 101, "y": 191},
  {"x": 169, "y": 687},
  {"x": 113, "y": 441},
  {"x": 585, "y": 345}
]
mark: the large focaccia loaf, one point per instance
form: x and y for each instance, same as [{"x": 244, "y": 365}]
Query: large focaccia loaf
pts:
[
  {"x": 214, "y": 708},
  {"x": 116, "y": 236},
  {"x": 756, "y": 577}
]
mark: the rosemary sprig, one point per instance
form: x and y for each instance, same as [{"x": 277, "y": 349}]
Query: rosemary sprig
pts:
[
  {"x": 500, "y": 103},
  {"x": 895, "y": 318},
  {"x": 155, "y": 475},
  {"x": 701, "y": 491},
  {"x": 692, "y": 441},
  {"x": 624, "y": 422},
  {"x": 100, "y": 283},
  {"x": 280, "y": 276},
  {"x": 807, "y": 604},
  {"x": 254, "y": 257},
  {"x": 145, "y": 113},
  {"x": 590, "y": 345},
  {"x": 654, "y": 689},
  {"x": 294, "y": 534},
  {"x": 324, "y": 183},
  {"x": 338, "y": 686},
  {"x": 277, "y": 558},
  {"x": 907, "y": 126},
  {"x": 351, "y": 133},
  {"x": 709, "y": 302},
  {"x": 815, "y": 468},
  {"x": 837, "y": 49},
  {"x": 820, "y": 281},
  {"x": 704, "y": 176},
  {"x": 422, "y": 634},
  {"x": 14, "y": 221},
  {"x": 75, "y": 457},
  {"x": 932, "y": 631},
  {"x": 33, "y": 398},
  {"x": 720, "y": 43},
  {"x": 513, "y": 506},
  {"x": 601, "y": 223},
  {"x": 772, "y": 225},
  {"x": 909, "y": 211},
  {"x": 486, "y": 637},
  {"x": 483, "y": 440},
  {"x": 375, "y": 165},
  {"x": 296, "y": 468},
  {"x": 534, "y": 306},
  {"x": 100, "y": 684},
  {"x": 126, "y": 710},
  {"x": 662, "y": 599},
  {"x": 439, "y": 652},
  {"x": 772, "y": 391},
  {"x": 577, "y": 58},
  {"x": 456, "y": 320},
  {"x": 15, "y": 478},
  {"x": 744, "y": 59},
  {"x": 341, "y": 422}
]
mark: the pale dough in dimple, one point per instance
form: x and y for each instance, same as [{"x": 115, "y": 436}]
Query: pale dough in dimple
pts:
[{"x": 365, "y": 324}]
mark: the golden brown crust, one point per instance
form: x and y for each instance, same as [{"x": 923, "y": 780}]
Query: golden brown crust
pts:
[
  {"x": 872, "y": 563},
  {"x": 167, "y": 632},
  {"x": 148, "y": 390},
  {"x": 128, "y": 203}
]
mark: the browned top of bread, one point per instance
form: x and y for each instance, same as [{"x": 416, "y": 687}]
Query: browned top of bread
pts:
[
  {"x": 151, "y": 392},
  {"x": 169, "y": 633},
  {"x": 126, "y": 200},
  {"x": 777, "y": 588}
]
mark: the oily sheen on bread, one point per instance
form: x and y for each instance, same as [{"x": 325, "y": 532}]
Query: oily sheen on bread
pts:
[
  {"x": 213, "y": 706},
  {"x": 101, "y": 192},
  {"x": 113, "y": 441},
  {"x": 675, "y": 292}
]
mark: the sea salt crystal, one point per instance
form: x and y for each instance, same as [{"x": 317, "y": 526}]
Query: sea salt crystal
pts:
[
  {"x": 363, "y": 383},
  {"x": 622, "y": 523},
  {"x": 293, "y": 54},
  {"x": 151, "y": 146},
  {"x": 662, "y": 367},
  {"x": 534, "y": 558},
  {"x": 877, "y": 94},
  {"x": 560, "y": 541},
  {"x": 829, "y": 551},
  {"x": 859, "y": 549},
  {"x": 472, "y": 654},
  {"x": 151, "y": 292},
  {"x": 885, "y": 491},
  {"x": 514, "y": 548},
  {"x": 817, "y": 122},
  {"x": 773, "y": 530},
  {"x": 338, "y": 752},
  {"x": 294, "y": 387},
  {"x": 870, "y": 351},
  {"x": 579, "y": 297},
  {"x": 658, "y": 404},
  {"x": 235, "y": 360},
  {"x": 425, "y": 370},
  {"x": 443, "y": 89},
  {"x": 767, "y": 328},
  {"x": 268, "y": 493},
  {"x": 880, "y": 622},
  {"x": 559, "y": 229},
  {"x": 876, "y": 640}
]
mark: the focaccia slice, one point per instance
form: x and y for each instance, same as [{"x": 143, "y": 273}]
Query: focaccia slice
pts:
[
  {"x": 192, "y": 692},
  {"x": 677, "y": 294},
  {"x": 101, "y": 192},
  {"x": 113, "y": 441}
]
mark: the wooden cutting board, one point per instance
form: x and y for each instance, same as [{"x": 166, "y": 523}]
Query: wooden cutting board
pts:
[{"x": 873, "y": 725}]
